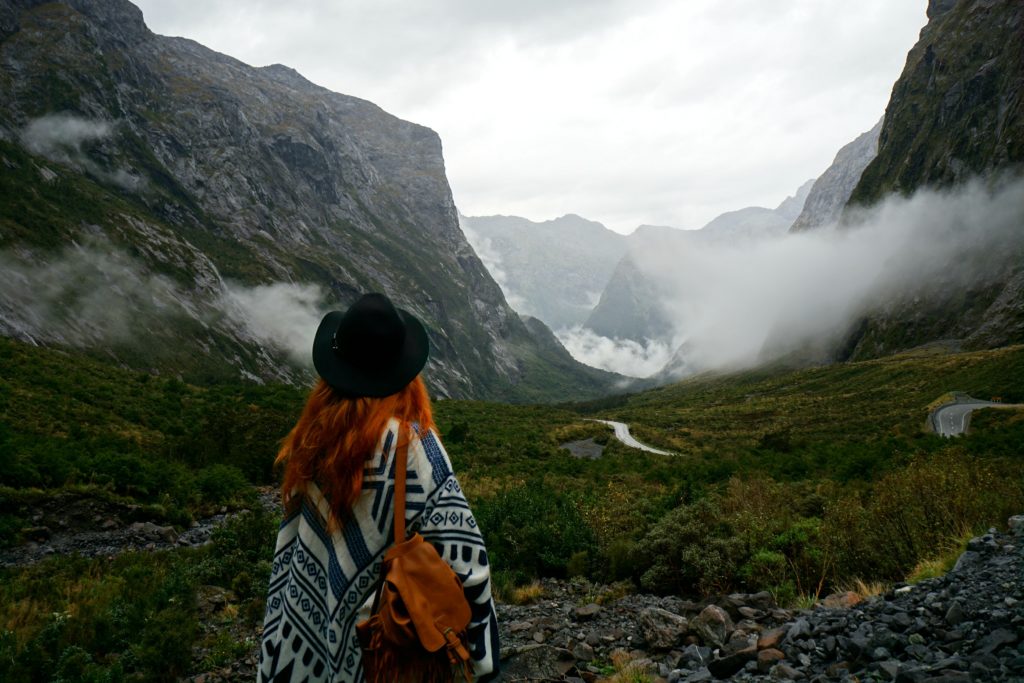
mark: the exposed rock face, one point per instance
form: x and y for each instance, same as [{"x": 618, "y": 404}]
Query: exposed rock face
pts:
[
  {"x": 631, "y": 306},
  {"x": 958, "y": 108},
  {"x": 205, "y": 169},
  {"x": 554, "y": 270},
  {"x": 832, "y": 190},
  {"x": 956, "y": 112}
]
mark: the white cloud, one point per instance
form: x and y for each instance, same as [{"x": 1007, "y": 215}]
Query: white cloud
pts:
[
  {"x": 623, "y": 356},
  {"x": 733, "y": 303},
  {"x": 284, "y": 314}
]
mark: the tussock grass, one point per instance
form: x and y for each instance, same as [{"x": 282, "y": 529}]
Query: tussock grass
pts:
[{"x": 628, "y": 669}]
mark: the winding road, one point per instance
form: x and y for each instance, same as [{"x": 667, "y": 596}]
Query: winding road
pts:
[
  {"x": 953, "y": 419},
  {"x": 623, "y": 435}
]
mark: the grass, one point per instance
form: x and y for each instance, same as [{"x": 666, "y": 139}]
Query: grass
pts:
[
  {"x": 938, "y": 565},
  {"x": 628, "y": 669}
]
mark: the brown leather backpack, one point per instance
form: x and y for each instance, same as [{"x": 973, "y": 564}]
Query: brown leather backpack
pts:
[{"x": 418, "y": 628}]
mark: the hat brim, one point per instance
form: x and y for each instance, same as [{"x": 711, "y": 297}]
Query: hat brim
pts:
[{"x": 353, "y": 381}]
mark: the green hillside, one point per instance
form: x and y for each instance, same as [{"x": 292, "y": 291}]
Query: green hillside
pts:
[{"x": 798, "y": 482}]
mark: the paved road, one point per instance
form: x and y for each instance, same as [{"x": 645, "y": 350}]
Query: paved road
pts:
[
  {"x": 623, "y": 435},
  {"x": 954, "y": 418}
]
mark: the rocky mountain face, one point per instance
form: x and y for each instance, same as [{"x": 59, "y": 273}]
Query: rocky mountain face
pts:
[
  {"x": 832, "y": 189},
  {"x": 956, "y": 112},
  {"x": 554, "y": 270},
  {"x": 190, "y": 203}
]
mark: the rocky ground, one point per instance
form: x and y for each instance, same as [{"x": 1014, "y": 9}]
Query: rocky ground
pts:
[
  {"x": 965, "y": 626},
  {"x": 79, "y": 523}
]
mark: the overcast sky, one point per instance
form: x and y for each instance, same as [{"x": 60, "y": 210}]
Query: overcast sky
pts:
[{"x": 650, "y": 111}]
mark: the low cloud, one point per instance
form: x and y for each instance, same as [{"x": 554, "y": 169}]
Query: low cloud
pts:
[
  {"x": 84, "y": 296},
  {"x": 740, "y": 304},
  {"x": 285, "y": 315},
  {"x": 64, "y": 138},
  {"x": 623, "y": 356},
  {"x": 97, "y": 295}
]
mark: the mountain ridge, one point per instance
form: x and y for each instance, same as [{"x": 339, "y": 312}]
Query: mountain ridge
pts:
[{"x": 189, "y": 162}]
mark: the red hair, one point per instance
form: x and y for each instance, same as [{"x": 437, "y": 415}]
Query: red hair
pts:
[{"x": 334, "y": 437}]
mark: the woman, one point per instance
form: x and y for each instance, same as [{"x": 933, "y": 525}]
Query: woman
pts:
[{"x": 369, "y": 405}]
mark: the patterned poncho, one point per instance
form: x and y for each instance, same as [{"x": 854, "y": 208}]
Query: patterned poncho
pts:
[{"x": 321, "y": 583}]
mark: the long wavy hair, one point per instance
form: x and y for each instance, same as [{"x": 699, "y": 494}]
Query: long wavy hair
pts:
[{"x": 334, "y": 437}]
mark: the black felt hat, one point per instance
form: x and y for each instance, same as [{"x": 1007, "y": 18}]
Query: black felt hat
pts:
[{"x": 372, "y": 349}]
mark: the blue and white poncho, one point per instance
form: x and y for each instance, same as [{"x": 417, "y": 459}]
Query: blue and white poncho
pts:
[{"x": 322, "y": 583}]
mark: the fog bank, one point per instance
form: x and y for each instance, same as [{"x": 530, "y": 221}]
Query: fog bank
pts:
[{"x": 737, "y": 304}]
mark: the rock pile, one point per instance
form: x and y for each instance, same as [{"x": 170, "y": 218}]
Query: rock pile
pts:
[{"x": 965, "y": 626}]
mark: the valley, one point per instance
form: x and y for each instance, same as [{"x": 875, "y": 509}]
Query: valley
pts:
[{"x": 789, "y": 444}]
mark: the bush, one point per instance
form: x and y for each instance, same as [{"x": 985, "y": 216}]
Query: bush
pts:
[
  {"x": 220, "y": 483},
  {"x": 912, "y": 513},
  {"x": 689, "y": 551},
  {"x": 533, "y": 529}
]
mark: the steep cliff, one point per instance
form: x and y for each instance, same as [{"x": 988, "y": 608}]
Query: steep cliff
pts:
[
  {"x": 957, "y": 110},
  {"x": 956, "y": 113},
  {"x": 832, "y": 189},
  {"x": 198, "y": 172}
]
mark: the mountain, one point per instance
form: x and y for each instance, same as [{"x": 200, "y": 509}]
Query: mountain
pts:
[
  {"x": 634, "y": 304},
  {"x": 832, "y": 189},
  {"x": 173, "y": 209},
  {"x": 554, "y": 270},
  {"x": 956, "y": 112}
]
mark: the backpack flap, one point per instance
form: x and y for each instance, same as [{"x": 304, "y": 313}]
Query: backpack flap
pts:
[{"x": 430, "y": 592}]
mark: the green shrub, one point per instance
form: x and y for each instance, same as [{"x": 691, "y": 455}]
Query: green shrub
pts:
[
  {"x": 689, "y": 551},
  {"x": 534, "y": 529},
  {"x": 220, "y": 483}
]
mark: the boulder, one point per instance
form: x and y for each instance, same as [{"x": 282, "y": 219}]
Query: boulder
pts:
[
  {"x": 662, "y": 629},
  {"x": 842, "y": 600},
  {"x": 713, "y": 625},
  {"x": 538, "y": 662}
]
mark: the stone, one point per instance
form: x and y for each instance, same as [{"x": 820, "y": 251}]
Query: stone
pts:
[
  {"x": 583, "y": 652},
  {"x": 732, "y": 663},
  {"x": 786, "y": 673},
  {"x": 694, "y": 655},
  {"x": 1016, "y": 525},
  {"x": 587, "y": 612},
  {"x": 955, "y": 613},
  {"x": 842, "y": 600},
  {"x": 889, "y": 670},
  {"x": 766, "y": 659},
  {"x": 517, "y": 626},
  {"x": 700, "y": 676},
  {"x": 713, "y": 625},
  {"x": 801, "y": 628},
  {"x": 995, "y": 640},
  {"x": 538, "y": 662},
  {"x": 661, "y": 629},
  {"x": 771, "y": 639}
]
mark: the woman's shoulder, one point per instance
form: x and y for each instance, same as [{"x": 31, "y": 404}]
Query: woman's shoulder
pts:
[{"x": 427, "y": 454}]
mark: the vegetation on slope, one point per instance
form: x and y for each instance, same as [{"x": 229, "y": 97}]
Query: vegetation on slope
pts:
[{"x": 794, "y": 482}]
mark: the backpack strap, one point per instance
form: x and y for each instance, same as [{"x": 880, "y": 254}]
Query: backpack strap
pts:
[{"x": 402, "y": 455}]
